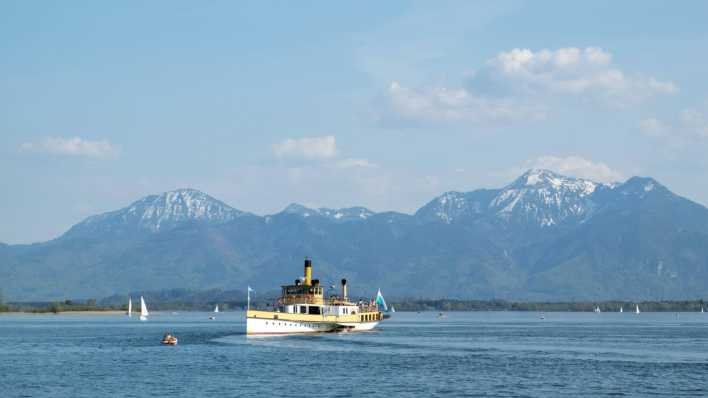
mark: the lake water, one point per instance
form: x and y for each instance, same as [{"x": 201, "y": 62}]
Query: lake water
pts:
[{"x": 500, "y": 354}]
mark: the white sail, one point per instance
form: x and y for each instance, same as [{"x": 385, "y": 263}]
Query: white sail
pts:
[
  {"x": 216, "y": 309},
  {"x": 636, "y": 311},
  {"x": 393, "y": 309},
  {"x": 701, "y": 310},
  {"x": 621, "y": 309},
  {"x": 130, "y": 306},
  {"x": 143, "y": 310}
]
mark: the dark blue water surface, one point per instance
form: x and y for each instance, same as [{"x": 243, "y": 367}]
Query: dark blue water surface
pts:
[{"x": 411, "y": 355}]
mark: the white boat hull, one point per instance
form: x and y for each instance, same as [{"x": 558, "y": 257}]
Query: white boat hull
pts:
[
  {"x": 257, "y": 326},
  {"x": 357, "y": 326}
]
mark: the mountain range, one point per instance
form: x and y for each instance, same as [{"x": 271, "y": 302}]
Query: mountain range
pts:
[{"x": 544, "y": 236}]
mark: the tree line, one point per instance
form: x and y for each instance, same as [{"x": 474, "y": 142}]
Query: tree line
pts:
[{"x": 576, "y": 306}]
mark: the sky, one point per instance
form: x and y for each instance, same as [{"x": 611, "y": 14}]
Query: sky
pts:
[{"x": 333, "y": 104}]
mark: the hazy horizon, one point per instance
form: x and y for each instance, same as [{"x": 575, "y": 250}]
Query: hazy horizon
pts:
[{"x": 381, "y": 105}]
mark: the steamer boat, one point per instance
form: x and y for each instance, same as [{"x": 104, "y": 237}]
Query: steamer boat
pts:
[{"x": 303, "y": 308}]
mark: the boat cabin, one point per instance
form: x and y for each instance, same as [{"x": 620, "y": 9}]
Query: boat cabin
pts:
[{"x": 307, "y": 296}]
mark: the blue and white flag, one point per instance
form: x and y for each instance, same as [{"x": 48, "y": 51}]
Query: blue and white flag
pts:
[{"x": 380, "y": 301}]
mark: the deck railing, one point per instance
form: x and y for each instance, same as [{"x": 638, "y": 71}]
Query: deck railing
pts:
[{"x": 363, "y": 306}]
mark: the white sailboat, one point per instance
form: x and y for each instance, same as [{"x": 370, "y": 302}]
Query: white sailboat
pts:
[
  {"x": 130, "y": 307},
  {"x": 143, "y": 310},
  {"x": 597, "y": 309},
  {"x": 393, "y": 309},
  {"x": 636, "y": 311},
  {"x": 621, "y": 309},
  {"x": 216, "y": 309},
  {"x": 701, "y": 310}
]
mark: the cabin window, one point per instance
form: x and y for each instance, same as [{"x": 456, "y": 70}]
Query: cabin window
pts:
[
  {"x": 303, "y": 309},
  {"x": 314, "y": 310}
]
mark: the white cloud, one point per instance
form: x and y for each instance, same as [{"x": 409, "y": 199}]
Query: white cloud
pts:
[
  {"x": 653, "y": 127},
  {"x": 442, "y": 105},
  {"x": 575, "y": 166},
  {"x": 324, "y": 147},
  {"x": 695, "y": 123},
  {"x": 355, "y": 162},
  {"x": 72, "y": 146},
  {"x": 567, "y": 71},
  {"x": 520, "y": 85},
  {"x": 691, "y": 125},
  {"x": 578, "y": 167}
]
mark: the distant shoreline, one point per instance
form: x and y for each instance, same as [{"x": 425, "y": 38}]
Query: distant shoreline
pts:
[
  {"x": 568, "y": 306},
  {"x": 87, "y": 312},
  {"x": 401, "y": 305}
]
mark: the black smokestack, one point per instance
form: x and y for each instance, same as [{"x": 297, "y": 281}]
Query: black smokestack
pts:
[{"x": 344, "y": 289}]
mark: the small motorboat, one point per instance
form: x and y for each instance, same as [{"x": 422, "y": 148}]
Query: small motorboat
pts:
[
  {"x": 169, "y": 339},
  {"x": 212, "y": 317},
  {"x": 441, "y": 315}
]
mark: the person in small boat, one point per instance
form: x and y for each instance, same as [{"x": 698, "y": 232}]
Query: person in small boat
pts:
[{"x": 169, "y": 338}]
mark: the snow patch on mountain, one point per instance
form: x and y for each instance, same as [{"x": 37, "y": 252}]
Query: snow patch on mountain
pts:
[
  {"x": 453, "y": 206},
  {"x": 338, "y": 215},
  {"x": 449, "y": 206}
]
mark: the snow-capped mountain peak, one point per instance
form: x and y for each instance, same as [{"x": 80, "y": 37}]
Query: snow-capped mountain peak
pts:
[
  {"x": 545, "y": 198},
  {"x": 156, "y": 211},
  {"x": 541, "y": 178},
  {"x": 160, "y": 212},
  {"x": 538, "y": 197}
]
